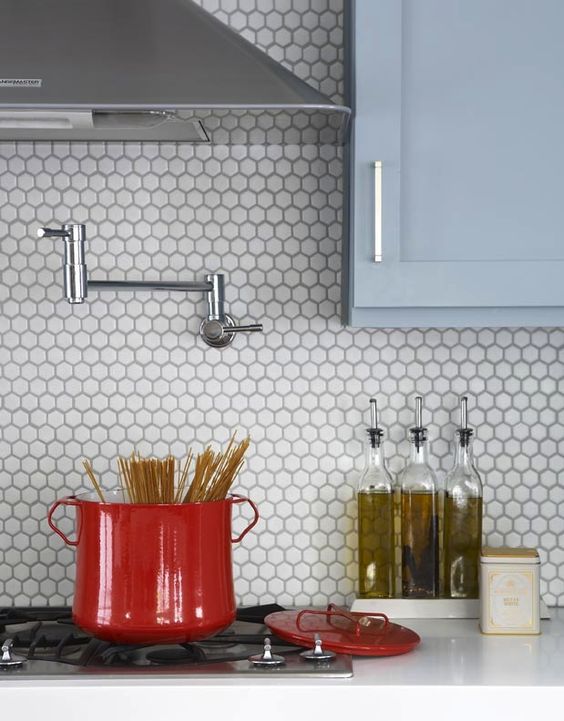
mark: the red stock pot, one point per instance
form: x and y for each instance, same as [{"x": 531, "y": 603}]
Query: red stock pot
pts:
[{"x": 152, "y": 573}]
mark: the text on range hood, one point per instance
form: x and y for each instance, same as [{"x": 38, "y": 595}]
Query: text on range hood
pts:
[{"x": 147, "y": 70}]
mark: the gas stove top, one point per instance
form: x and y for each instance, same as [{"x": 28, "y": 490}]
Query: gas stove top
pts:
[{"x": 53, "y": 647}]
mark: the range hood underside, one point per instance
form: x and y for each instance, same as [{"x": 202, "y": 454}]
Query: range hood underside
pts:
[{"x": 220, "y": 126}]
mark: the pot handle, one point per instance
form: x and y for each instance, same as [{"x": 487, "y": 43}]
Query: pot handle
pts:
[
  {"x": 69, "y": 501},
  {"x": 243, "y": 499},
  {"x": 361, "y": 621}
]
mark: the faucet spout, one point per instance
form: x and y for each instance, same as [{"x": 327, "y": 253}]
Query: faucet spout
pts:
[{"x": 75, "y": 273}]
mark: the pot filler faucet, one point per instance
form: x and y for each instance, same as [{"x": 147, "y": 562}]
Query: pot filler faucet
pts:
[{"x": 217, "y": 329}]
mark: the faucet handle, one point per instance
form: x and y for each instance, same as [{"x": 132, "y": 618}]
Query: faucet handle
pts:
[
  {"x": 252, "y": 328},
  {"x": 219, "y": 334}
]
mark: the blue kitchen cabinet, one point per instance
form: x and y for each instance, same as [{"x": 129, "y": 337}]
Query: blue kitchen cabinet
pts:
[{"x": 456, "y": 163}]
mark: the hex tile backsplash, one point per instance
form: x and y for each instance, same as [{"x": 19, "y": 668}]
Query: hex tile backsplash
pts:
[{"x": 129, "y": 371}]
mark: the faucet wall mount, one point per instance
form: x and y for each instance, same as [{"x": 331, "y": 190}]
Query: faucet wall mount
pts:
[{"x": 217, "y": 329}]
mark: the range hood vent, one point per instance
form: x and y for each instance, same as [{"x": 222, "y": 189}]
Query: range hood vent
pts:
[{"x": 148, "y": 70}]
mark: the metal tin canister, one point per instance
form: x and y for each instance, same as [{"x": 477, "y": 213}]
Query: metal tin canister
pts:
[{"x": 509, "y": 590}]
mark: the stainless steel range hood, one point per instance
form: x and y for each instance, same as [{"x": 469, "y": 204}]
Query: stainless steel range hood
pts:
[{"x": 147, "y": 70}]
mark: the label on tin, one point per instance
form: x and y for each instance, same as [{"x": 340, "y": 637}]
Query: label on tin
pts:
[
  {"x": 511, "y": 599},
  {"x": 21, "y": 82}
]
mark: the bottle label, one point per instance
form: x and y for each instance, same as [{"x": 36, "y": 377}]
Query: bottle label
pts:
[{"x": 511, "y": 599}]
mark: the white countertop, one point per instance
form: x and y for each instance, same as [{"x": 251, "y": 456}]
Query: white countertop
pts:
[{"x": 456, "y": 674}]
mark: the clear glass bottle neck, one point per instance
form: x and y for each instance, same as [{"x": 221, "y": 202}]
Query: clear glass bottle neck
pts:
[
  {"x": 463, "y": 455},
  {"x": 375, "y": 476},
  {"x": 374, "y": 455},
  {"x": 419, "y": 451}
]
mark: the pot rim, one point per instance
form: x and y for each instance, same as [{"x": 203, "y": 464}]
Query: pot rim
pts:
[{"x": 92, "y": 497}]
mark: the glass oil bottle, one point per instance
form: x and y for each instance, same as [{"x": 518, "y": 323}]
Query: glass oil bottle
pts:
[
  {"x": 463, "y": 517},
  {"x": 419, "y": 517},
  {"x": 376, "y": 518}
]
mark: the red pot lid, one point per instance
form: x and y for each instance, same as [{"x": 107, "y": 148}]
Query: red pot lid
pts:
[{"x": 360, "y": 634}]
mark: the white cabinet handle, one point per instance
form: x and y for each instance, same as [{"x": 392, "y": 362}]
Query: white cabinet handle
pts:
[{"x": 378, "y": 211}]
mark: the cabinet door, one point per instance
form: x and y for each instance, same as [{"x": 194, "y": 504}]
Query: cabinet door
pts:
[{"x": 461, "y": 104}]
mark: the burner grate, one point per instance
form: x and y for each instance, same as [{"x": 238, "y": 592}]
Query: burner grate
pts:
[
  {"x": 24, "y": 614},
  {"x": 187, "y": 653},
  {"x": 49, "y": 634}
]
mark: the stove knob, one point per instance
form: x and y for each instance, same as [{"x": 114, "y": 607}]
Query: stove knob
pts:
[
  {"x": 318, "y": 653},
  {"x": 267, "y": 659},
  {"x": 9, "y": 659}
]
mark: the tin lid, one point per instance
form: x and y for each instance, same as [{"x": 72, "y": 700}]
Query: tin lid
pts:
[{"x": 505, "y": 554}]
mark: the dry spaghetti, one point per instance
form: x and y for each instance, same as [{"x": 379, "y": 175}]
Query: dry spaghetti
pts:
[{"x": 154, "y": 480}]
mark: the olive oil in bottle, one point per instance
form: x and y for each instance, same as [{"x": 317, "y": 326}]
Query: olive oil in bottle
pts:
[
  {"x": 376, "y": 518},
  {"x": 419, "y": 517},
  {"x": 463, "y": 517}
]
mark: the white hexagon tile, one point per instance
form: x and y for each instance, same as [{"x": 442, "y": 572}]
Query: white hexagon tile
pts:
[{"x": 128, "y": 370}]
